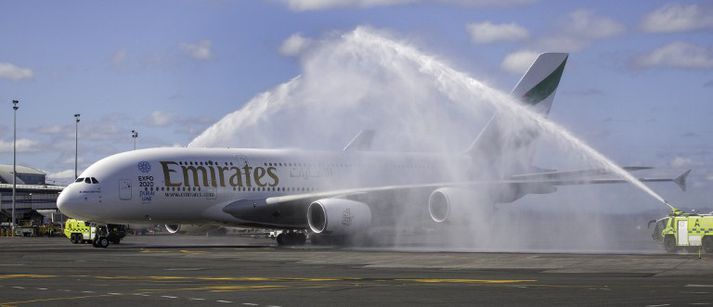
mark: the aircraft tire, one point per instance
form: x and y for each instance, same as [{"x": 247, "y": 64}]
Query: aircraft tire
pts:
[
  {"x": 282, "y": 239},
  {"x": 669, "y": 243}
]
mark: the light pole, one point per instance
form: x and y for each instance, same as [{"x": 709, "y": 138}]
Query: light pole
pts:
[
  {"x": 134, "y": 135},
  {"x": 14, "y": 160},
  {"x": 76, "y": 143}
]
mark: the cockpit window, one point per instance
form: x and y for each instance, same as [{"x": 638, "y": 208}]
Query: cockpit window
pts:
[
  {"x": 87, "y": 180},
  {"x": 94, "y": 180},
  {"x": 80, "y": 179}
]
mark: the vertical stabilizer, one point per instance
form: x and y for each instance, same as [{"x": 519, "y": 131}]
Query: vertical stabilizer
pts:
[{"x": 505, "y": 146}]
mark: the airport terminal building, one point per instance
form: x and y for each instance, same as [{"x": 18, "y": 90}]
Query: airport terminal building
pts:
[{"x": 32, "y": 193}]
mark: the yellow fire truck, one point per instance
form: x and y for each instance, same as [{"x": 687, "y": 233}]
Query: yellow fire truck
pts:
[
  {"x": 682, "y": 230},
  {"x": 99, "y": 235}
]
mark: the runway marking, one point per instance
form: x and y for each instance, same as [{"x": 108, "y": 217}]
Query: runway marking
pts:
[
  {"x": 114, "y": 293},
  {"x": 185, "y": 251},
  {"x": 250, "y": 304},
  {"x": 698, "y": 286},
  {"x": 3, "y": 304},
  {"x": 41, "y": 289},
  {"x": 217, "y": 288},
  {"x": 224, "y": 301},
  {"x": 196, "y": 299},
  {"x": 659, "y": 305},
  {"x": 18, "y": 287},
  {"x": 87, "y": 291},
  {"x": 15, "y": 276},
  {"x": 466, "y": 281},
  {"x": 169, "y": 296}
]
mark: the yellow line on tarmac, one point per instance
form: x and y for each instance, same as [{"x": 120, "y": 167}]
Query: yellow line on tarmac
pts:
[
  {"x": 15, "y": 276},
  {"x": 15, "y": 303}
]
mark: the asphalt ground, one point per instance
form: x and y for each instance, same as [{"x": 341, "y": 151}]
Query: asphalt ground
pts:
[{"x": 252, "y": 271}]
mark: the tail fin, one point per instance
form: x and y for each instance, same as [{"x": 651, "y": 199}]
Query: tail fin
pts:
[
  {"x": 538, "y": 86},
  {"x": 508, "y": 149}
]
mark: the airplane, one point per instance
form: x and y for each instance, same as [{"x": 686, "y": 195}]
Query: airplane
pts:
[{"x": 339, "y": 194}]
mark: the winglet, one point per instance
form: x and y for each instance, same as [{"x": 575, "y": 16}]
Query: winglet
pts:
[
  {"x": 362, "y": 141},
  {"x": 681, "y": 180}
]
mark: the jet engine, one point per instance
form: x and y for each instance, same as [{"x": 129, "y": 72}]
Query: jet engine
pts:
[
  {"x": 451, "y": 204},
  {"x": 173, "y": 228},
  {"x": 196, "y": 229},
  {"x": 338, "y": 216}
]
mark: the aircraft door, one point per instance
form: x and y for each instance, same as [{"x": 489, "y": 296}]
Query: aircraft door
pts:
[
  {"x": 125, "y": 189},
  {"x": 682, "y": 233}
]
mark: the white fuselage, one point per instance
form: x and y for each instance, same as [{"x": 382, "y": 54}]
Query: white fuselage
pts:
[{"x": 192, "y": 186}]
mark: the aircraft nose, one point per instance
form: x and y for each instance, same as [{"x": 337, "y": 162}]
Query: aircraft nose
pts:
[{"x": 67, "y": 202}]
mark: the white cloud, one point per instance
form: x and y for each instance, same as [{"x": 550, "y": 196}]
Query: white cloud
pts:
[
  {"x": 199, "y": 50},
  {"x": 677, "y": 55},
  {"x": 313, "y": 5},
  {"x": 161, "y": 119},
  {"x": 586, "y": 23},
  {"x": 681, "y": 162},
  {"x": 678, "y": 18},
  {"x": 518, "y": 62},
  {"x": 23, "y": 145},
  {"x": 14, "y": 72},
  {"x": 487, "y": 32},
  {"x": 579, "y": 29},
  {"x": 119, "y": 56},
  {"x": 709, "y": 177},
  {"x": 294, "y": 44}
]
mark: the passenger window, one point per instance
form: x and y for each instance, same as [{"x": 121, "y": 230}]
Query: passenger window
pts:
[
  {"x": 87, "y": 180},
  {"x": 80, "y": 179},
  {"x": 94, "y": 180}
]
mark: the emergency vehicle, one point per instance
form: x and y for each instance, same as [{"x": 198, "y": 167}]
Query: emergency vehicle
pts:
[
  {"x": 99, "y": 235},
  {"x": 681, "y": 230}
]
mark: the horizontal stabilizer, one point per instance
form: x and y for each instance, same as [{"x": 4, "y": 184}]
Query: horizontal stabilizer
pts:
[{"x": 681, "y": 180}]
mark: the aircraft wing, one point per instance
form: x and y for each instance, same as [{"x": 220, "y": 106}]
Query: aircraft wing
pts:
[
  {"x": 289, "y": 211},
  {"x": 550, "y": 179}
]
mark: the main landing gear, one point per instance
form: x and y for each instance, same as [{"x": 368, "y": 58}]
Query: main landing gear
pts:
[{"x": 291, "y": 237}]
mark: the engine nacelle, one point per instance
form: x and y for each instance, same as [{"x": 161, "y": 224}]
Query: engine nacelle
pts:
[
  {"x": 173, "y": 228},
  {"x": 195, "y": 229},
  {"x": 338, "y": 216},
  {"x": 453, "y": 205}
]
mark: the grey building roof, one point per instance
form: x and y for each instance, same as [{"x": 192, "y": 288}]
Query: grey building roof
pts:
[{"x": 6, "y": 172}]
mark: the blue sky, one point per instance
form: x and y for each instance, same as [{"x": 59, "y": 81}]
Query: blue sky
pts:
[{"x": 638, "y": 86}]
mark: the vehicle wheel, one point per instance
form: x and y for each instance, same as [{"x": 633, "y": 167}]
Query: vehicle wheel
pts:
[
  {"x": 669, "y": 243},
  {"x": 281, "y": 239},
  {"x": 708, "y": 244},
  {"x": 74, "y": 239},
  {"x": 103, "y": 242}
]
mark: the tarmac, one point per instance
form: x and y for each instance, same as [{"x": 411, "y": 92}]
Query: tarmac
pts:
[{"x": 253, "y": 271}]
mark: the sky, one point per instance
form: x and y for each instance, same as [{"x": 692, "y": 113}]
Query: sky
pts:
[{"x": 638, "y": 86}]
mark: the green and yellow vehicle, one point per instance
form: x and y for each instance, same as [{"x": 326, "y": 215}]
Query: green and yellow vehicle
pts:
[
  {"x": 99, "y": 235},
  {"x": 681, "y": 230}
]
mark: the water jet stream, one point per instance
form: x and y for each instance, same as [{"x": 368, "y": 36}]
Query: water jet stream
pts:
[{"x": 444, "y": 75}]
